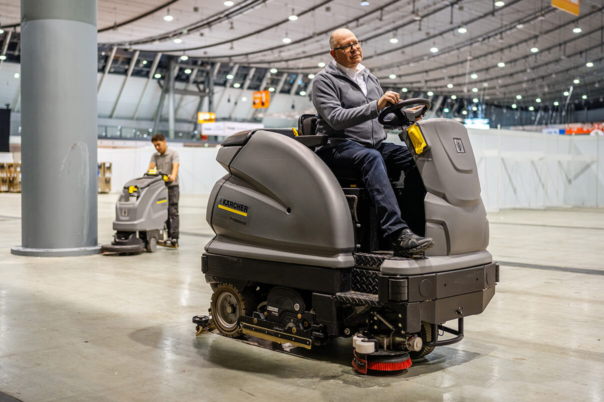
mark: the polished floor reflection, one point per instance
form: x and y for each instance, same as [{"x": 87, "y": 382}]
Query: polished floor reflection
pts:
[{"x": 119, "y": 328}]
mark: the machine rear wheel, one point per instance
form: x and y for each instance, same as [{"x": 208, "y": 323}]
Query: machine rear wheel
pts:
[
  {"x": 227, "y": 305},
  {"x": 152, "y": 245},
  {"x": 427, "y": 336}
]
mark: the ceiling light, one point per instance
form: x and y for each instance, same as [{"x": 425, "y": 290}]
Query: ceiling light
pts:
[
  {"x": 520, "y": 26},
  {"x": 499, "y": 3},
  {"x": 168, "y": 17},
  {"x": 302, "y": 93},
  {"x": 2, "y": 57},
  {"x": 1, "y": 31},
  {"x": 158, "y": 75},
  {"x": 17, "y": 75},
  {"x": 556, "y": 103},
  {"x": 417, "y": 17},
  {"x": 464, "y": 112},
  {"x": 474, "y": 76},
  {"x": 230, "y": 76},
  {"x": 236, "y": 85},
  {"x": 321, "y": 64},
  {"x": 534, "y": 49},
  {"x": 393, "y": 40},
  {"x": 244, "y": 99},
  {"x": 404, "y": 90},
  {"x": 273, "y": 70},
  {"x": 531, "y": 108},
  {"x": 184, "y": 57},
  {"x": 311, "y": 76},
  {"x": 538, "y": 100},
  {"x": 584, "y": 96},
  {"x": 453, "y": 97},
  {"x": 577, "y": 30},
  {"x": 144, "y": 62},
  {"x": 293, "y": 17},
  {"x": 518, "y": 97},
  {"x": 229, "y": 3},
  {"x": 589, "y": 64},
  {"x": 364, "y": 3},
  {"x": 462, "y": 29},
  {"x": 514, "y": 106},
  {"x": 188, "y": 71},
  {"x": 576, "y": 81},
  {"x": 474, "y": 108},
  {"x": 446, "y": 110},
  {"x": 475, "y": 100},
  {"x": 430, "y": 93},
  {"x": 501, "y": 64},
  {"x": 392, "y": 76},
  {"x": 474, "y": 89},
  {"x": 434, "y": 50},
  {"x": 449, "y": 85},
  {"x": 566, "y": 93},
  {"x": 177, "y": 40},
  {"x": 287, "y": 39},
  {"x": 271, "y": 89}
]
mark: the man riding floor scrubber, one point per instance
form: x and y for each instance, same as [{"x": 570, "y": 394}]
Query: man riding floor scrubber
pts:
[
  {"x": 298, "y": 256},
  {"x": 141, "y": 215}
]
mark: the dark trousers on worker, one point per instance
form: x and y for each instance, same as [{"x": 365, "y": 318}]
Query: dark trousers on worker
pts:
[
  {"x": 374, "y": 164},
  {"x": 173, "y": 196}
]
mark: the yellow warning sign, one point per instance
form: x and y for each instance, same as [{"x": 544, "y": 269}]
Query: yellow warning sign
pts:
[
  {"x": 204, "y": 117},
  {"x": 261, "y": 99},
  {"x": 570, "y": 6}
]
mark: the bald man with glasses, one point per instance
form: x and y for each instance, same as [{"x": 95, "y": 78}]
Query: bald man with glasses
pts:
[{"x": 348, "y": 99}]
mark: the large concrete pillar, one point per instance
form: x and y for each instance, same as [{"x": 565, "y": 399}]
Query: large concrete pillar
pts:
[{"x": 59, "y": 128}]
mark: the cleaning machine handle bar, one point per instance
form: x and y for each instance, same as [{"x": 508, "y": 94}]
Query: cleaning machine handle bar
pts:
[{"x": 458, "y": 332}]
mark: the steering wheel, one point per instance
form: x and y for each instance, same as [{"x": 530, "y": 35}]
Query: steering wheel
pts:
[{"x": 403, "y": 117}]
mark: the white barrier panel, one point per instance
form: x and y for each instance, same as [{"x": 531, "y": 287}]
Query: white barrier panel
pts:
[
  {"x": 516, "y": 169},
  {"x": 197, "y": 173}
]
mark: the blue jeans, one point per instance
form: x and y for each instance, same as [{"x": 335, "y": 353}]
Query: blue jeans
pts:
[{"x": 374, "y": 163}]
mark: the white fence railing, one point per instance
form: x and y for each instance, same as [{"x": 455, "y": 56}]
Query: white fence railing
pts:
[{"x": 516, "y": 169}]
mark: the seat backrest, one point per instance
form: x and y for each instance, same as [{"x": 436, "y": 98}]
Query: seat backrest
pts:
[{"x": 307, "y": 124}]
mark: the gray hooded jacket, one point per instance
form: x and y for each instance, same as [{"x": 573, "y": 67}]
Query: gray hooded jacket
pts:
[{"x": 345, "y": 113}]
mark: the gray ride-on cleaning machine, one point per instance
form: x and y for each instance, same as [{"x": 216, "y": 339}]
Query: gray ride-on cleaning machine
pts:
[
  {"x": 298, "y": 256},
  {"x": 141, "y": 216}
]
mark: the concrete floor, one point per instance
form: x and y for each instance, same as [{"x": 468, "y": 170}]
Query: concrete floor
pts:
[{"x": 119, "y": 328}]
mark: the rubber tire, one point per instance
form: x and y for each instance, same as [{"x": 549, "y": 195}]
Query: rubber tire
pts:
[
  {"x": 426, "y": 334},
  {"x": 246, "y": 305},
  {"x": 152, "y": 245}
]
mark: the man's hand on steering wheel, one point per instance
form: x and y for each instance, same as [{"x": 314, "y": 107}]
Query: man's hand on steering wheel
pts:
[{"x": 388, "y": 97}]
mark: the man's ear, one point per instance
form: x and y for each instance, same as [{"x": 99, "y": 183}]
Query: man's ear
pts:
[{"x": 333, "y": 54}]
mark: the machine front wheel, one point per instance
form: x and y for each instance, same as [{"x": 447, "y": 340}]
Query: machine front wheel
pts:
[
  {"x": 227, "y": 305},
  {"x": 152, "y": 245},
  {"x": 427, "y": 336}
]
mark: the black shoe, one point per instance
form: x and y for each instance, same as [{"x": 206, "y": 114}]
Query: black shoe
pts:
[
  {"x": 409, "y": 243},
  {"x": 174, "y": 242}
]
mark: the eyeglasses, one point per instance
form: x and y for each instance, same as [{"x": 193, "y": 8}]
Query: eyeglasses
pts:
[{"x": 348, "y": 48}]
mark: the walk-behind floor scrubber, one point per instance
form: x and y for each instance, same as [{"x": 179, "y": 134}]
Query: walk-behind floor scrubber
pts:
[
  {"x": 298, "y": 256},
  {"x": 141, "y": 216}
]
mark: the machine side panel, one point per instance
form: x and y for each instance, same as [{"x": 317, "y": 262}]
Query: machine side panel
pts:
[
  {"x": 284, "y": 201},
  {"x": 465, "y": 228},
  {"x": 455, "y": 215},
  {"x": 148, "y": 212}
]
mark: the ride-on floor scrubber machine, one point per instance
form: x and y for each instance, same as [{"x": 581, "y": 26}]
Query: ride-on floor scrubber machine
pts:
[
  {"x": 298, "y": 256},
  {"x": 141, "y": 216}
]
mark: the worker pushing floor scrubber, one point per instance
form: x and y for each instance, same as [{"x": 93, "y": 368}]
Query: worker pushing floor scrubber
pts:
[
  {"x": 141, "y": 216},
  {"x": 299, "y": 256}
]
